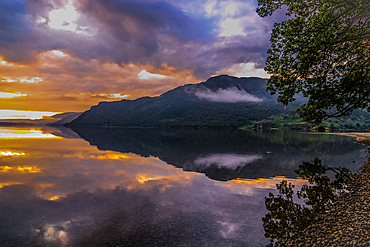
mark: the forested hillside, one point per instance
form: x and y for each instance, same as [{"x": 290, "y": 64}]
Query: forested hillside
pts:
[{"x": 220, "y": 102}]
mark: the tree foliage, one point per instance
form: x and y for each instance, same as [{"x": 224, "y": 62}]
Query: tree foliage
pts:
[{"x": 321, "y": 51}]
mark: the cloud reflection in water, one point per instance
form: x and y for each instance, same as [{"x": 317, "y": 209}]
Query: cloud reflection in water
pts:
[
  {"x": 82, "y": 196},
  {"x": 231, "y": 161},
  {"x": 11, "y": 133}
]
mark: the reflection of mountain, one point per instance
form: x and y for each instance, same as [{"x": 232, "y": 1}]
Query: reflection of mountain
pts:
[
  {"x": 221, "y": 101},
  {"x": 228, "y": 154},
  {"x": 64, "y": 132}
]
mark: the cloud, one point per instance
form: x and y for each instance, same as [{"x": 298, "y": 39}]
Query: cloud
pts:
[
  {"x": 66, "y": 49},
  {"x": 14, "y": 114},
  {"x": 64, "y": 18},
  {"x": 231, "y": 161},
  {"x": 11, "y": 95},
  {"x": 110, "y": 96},
  {"x": 145, "y": 75},
  {"x": 23, "y": 79},
  {"x": 67, "y": 83},
  {"x": 138, "y": 31},
  {"x": 231, "y": 27},
  {"x": 229, "y": 95},
  {"x": 13, "y": 18},
  {"x": 245, "y": 70}
]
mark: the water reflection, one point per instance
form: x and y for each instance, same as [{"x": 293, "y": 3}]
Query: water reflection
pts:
[
  {"x": 10, "y": 153},
  {"x": 26, "y": 133},
  {"x": 229, "y": 154},
  {"x": 65, "y": 192},
  {"x": 287, "y": 219}
]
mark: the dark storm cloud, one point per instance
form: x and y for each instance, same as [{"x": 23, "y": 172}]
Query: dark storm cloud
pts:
[
  {"x": 138, "y": 31},
  {"x": 218, "y": 58},
  {"x": 15, "y": 21},
  {"x": 150, "y": 17}
]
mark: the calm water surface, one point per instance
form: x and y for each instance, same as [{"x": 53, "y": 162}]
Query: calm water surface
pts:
[{"x": 150, "y": 187}]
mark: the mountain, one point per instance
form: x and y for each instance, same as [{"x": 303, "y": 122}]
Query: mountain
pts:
[
  {"x": 65, "y": 118},
  {"x": 220, "y": 102}
]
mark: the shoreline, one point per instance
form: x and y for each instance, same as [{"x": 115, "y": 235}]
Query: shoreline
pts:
[
  {"x": 362, "y": 137},
  {"x": 347, "y": 220}
]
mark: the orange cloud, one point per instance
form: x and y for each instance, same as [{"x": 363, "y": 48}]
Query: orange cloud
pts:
[{"x": 60, "y": 82}]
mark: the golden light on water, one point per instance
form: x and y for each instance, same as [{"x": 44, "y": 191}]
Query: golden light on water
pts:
[
  {"x": 22, "y": 169},
  {"x": 247, "y": 186},
  {"x": 30, "y": 169},
  {"x": 28, "y": 161},
  {"x": 268, "y": 182},
  {"x": 10, "y": 153},
  {"x": 8, "y": 184},
  {"x": 5, "y": 168},
  {"x": 142, "y": 178},
  {"x": 8, "y": 133},
  {"x": 53, "y": 198}
]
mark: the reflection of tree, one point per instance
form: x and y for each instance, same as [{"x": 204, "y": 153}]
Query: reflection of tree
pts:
[{"x": 287, "y": 219}]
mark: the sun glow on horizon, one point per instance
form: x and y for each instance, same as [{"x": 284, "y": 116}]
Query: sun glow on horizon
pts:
[
  {"x": 5, "y": 95},
  {"x": 18, "y": 114},
  {"x": 10, "y": 153}
]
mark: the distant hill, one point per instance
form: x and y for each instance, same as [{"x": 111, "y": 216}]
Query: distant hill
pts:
[
  {"x": 55, "y": 120},
  {"x": 11, "y": 124},
  {"x": 220, "y": 102},
  {"x": 65, "y": 118}
]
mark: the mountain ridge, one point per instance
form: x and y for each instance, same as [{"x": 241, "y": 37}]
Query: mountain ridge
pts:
[{"x": 219, "y": 102}]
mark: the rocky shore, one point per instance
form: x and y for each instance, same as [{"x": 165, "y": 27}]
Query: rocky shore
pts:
[{"x": 347, "y": 221}]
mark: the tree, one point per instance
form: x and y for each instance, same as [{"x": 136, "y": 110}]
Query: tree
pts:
[{"x": 321, "y": 51}]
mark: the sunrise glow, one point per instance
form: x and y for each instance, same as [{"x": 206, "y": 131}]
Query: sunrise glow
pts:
[
  {"x": 73, "y": 55},
  {"x": 117, "y": 156},
  {"x": 145, "y": 75},
  {"x": 10, "y": 153},
  {"x": 11, "y": 95},
  {"x": 16, "y": 114}
]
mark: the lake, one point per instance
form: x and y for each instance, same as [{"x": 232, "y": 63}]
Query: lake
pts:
[{"x": 150, "y": 187}]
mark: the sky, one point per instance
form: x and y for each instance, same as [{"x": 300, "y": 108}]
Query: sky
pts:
[{"x": 67, "y": 55}]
